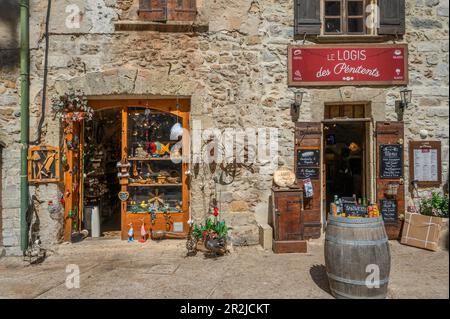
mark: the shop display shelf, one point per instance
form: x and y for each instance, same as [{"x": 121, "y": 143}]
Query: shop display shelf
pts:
[
  {"x": 154, "y": 185},
  {"x": 151, "y": 159}
]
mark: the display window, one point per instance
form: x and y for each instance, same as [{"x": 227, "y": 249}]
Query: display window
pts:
[{"x": 133, "y": 172}]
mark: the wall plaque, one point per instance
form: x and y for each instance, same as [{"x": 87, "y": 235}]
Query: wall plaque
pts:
[
  {"x": 284, "y": 177},
  {"x": 43, "y": 164},
  {"x": 391, "y": 161}
]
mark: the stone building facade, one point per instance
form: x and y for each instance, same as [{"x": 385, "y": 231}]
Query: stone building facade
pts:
[{"x": 231, "y": 62}]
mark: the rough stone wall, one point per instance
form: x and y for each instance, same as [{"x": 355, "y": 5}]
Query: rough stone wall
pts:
[
  {"x": 9, "y": 126},
  {"x": 236, "y": 75}
]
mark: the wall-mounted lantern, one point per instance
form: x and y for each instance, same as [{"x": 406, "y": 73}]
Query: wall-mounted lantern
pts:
[
  {"x": 406, "y": 95},
  {"x": 295, "y": 107}
]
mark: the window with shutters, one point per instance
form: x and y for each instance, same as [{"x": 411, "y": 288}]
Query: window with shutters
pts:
[
  {"x": 167, "y": 10},
  {"x": 344, "y": 17},
  {"x": 349, "y": 17}
]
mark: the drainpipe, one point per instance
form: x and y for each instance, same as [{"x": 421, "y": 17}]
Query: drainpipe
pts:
[{"x": 24, "y": 120}]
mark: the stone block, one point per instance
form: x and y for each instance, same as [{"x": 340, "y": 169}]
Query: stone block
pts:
[
  {"x": 442, "y": 11},
  {"x": 265, "y": 236},
  {"x": 438, "y": 111},
  {"x": 428, "y": 47},
  {"x": 245, "y": 235},
  {"x": 238, "y": 206}
]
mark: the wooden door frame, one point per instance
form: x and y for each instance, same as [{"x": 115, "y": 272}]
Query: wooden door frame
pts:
[
  {"x": 368, "y": 129},
  {"x": 168, "y": 105}
]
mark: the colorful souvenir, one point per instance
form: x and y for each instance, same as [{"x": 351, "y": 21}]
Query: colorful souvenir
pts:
[
  {"x": 143, "y": 233},
  {"x": 156, "y": 198},
  {"x": 131, "y": 233}
]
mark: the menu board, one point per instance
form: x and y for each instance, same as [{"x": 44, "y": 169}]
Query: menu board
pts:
[
  {"x": 391, "y": 161},
  {"x": 388, "y": 209},
  {"x": 308, "y": 172},
  {"x": 308, "y": 158},
  {"x": 425, "y": 165},
  {"x": 352, "y": 209}
]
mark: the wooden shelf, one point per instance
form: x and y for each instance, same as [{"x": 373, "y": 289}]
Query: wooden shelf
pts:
[
  {"x": 147, "y": 213},
  {"x": 151, "y": 159},
  {"x": 154, "y": 185}
]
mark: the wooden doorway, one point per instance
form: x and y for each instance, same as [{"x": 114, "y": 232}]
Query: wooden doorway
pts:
[
  {"x": 348, "y": 159},
  {"x": 146, "y": 146}
]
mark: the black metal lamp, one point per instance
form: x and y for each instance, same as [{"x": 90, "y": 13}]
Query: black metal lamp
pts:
[
  {"x": 406, "y": 95},
  {"x": 295, "y": 107}
]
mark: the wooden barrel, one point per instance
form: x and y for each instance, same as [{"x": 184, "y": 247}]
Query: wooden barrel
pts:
[{"x": 357, "y": 257}]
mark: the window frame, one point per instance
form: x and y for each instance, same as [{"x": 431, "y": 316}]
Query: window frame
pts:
[
  {"x": 170, "y": 11},
  {"x": 344, "y": 17}
]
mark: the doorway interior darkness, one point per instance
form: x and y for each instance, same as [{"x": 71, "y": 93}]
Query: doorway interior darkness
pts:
[
  {"x": 102, "y": 138},
  {"x": 346, "y": 156}
]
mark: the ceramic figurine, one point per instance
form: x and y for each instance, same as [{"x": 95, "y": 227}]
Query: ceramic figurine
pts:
[
  {"x": 143, "y": 233},
  {"x": 131, "y": 233},
  {"x": 144, "y": 205}
]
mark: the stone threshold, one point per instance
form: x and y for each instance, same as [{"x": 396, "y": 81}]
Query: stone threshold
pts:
[{"x": 170, "y": 26}]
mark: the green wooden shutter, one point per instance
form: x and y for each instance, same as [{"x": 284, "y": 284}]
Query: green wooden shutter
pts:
[{"x": 307, "y": 17}]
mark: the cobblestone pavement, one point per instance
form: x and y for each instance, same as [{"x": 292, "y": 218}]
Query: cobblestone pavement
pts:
[{"x": 111, "y": 268}]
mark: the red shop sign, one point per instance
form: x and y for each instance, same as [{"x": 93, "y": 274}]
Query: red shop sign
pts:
[{"x": 318, "y": 65}]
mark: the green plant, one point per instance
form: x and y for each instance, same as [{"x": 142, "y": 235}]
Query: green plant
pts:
[
  {"x": 212, "y": 228},
  {"x": 435, "y": 204}
]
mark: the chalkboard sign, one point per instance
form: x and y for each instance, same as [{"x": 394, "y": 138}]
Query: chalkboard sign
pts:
[
  {"x": 308, "y": 172},
  {"x": 391, "y": 161},
  {"x": 388, "y": 209},
  {"x": 352, "y": 209},
  {"x": 308, "y": 158}
]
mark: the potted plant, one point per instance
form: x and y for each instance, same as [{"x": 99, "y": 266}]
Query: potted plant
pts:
[
  {"x": 429, "y": 228},
  {"x": 212, "y": 234},
  {"x": 436, "y": 205}
]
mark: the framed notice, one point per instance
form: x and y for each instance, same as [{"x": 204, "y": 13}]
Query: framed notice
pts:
[{"x": 425, "y": 166}]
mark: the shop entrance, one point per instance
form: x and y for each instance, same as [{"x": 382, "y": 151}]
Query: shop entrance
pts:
[
  {"x": 346, "y": 153},
  {"x": 102, "y": 151},
  {"x": 127, "y": 167}
]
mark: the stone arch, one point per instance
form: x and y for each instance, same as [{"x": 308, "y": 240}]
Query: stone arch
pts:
[{"x": 133, "y": 82}]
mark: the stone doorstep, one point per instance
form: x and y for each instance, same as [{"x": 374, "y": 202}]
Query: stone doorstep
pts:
[{"x": 265, "y": 236}]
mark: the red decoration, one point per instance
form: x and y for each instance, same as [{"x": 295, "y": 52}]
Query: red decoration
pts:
[
  {"x": 152, "y": 148},
  {"x": 216, "y": 211},
  {"x": 348, "y": 64}
]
